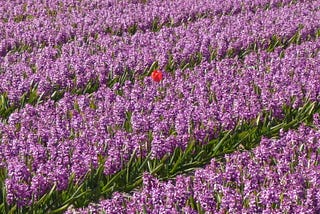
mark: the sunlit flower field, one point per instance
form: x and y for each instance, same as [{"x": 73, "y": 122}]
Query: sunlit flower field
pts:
[{"x": 160, "y": 106}]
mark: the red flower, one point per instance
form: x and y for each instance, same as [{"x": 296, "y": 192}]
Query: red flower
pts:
[{"x": 156, "y": 75}]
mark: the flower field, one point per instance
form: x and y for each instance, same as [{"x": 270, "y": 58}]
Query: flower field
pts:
[{"x": 167, "y": 106}]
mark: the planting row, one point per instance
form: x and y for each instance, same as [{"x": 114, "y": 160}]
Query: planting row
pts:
[
  {"x": 279, "y": 176},
  {"x": 36, "y": 7},
  {"x": 28, "y": 25},
  {"x": 45, "y": 144},
  {"x": 100, "y": 60}
]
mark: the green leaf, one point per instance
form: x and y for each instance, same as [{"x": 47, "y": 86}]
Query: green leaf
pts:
[
  {"x": 129, "y": 164},
  {"x": 215, "y": 149},
  {"x": 46, "y": 197},
  {"x": 156, "y": 169},
  {"x": 112, "y": 180},
  {"x": 60, "y": 209}
]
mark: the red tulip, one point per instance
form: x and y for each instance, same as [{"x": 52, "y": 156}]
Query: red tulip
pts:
[{"x": 156, "y": 75}]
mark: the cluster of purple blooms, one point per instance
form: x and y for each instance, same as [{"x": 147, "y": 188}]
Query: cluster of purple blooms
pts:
[
  {"x": 44, "y": 145},
  {"x": 279, "y": 176},
  {"x": 51, "y": 141},
  {"x": 53, "y": 22},
  {"x": 80, "y": 62}
]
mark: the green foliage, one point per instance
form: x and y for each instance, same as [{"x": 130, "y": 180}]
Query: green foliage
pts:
[
  {"x": 156, "y": 26},
  {"x": 5, "y": 108},
  {"x": 95, "y": 185},
  {"x": 22, "y": 17},
  {"x": 133, "y": 29}
]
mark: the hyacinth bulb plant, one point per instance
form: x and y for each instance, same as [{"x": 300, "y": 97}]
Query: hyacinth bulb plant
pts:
[{"x": 163, "y": 106}]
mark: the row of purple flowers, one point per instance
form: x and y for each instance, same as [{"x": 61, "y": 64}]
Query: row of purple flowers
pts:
[
  {"x": 279, "y": 176},
  {"x": 38, "y": 22},
  {"x": 45, "y": 144},
  {"x": 79, "y": 62}
]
